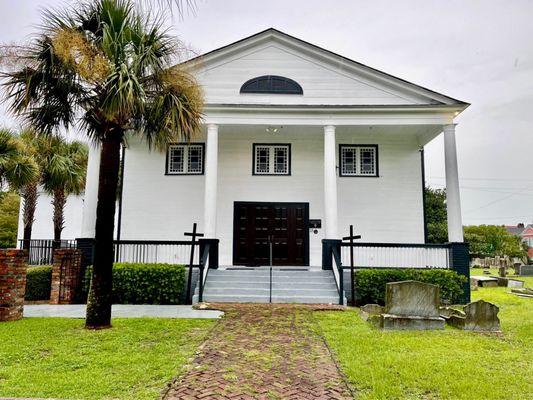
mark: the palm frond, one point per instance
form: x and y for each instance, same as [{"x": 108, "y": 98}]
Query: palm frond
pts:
[
  {"x": 105, "y": 67},
  {"x": 174, "y": 111}
]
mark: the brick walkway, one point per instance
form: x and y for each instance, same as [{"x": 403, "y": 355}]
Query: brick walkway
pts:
[{"x": 262, "y": 352}]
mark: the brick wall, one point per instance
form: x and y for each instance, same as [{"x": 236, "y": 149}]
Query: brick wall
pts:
[
  {"x": 12, "y": 283},
  {"x": 66, "y": 276}
]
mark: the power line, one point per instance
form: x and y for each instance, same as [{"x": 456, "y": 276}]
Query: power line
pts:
[
  {"x": 498, "y": 200},
  {"x": 484, "y": 189},
  {"x": 530, "y": 216},
  {"x": 485, "y": 179}
]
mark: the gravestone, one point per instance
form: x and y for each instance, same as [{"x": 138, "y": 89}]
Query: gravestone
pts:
[
  {"x": 479, "y": 316},
  {"x": 516, "y": 267},
  {"x": 526, "y": 270},
  {"x": 371, "y": 312},
  {"x": 509, "y": 282},
  {"x": 523, "y": 292},
  {"x": 411, "y": 305},
  {"x": 485, "y": 281}
]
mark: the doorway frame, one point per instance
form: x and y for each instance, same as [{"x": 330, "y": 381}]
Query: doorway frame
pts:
[{"x": 271, "y": 204}]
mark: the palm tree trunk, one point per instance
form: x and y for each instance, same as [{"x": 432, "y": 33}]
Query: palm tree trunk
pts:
[
  {"x": 29, "y": 195},
  {"x": 59, "y": 202},
  {"x": 100, "y": 295}
]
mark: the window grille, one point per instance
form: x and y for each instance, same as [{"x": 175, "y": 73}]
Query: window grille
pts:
[
  {"x": 185, "y": 159},
  {"x": 271, "y": 159},
  {"x": 358, "y": 160}
]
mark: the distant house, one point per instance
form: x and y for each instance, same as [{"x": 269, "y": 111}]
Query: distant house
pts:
[{"x": 525, "y": 232}]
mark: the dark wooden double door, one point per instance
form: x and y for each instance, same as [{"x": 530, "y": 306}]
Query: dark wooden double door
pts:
[{"x": 256, "y": 225}]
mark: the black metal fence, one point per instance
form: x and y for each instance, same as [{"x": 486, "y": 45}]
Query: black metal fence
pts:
[{"x": 41, "y": 251}]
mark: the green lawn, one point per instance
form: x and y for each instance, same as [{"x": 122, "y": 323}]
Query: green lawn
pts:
[
  {"x": 449, "y": 364},
  {"x": 54, "y": 357}
]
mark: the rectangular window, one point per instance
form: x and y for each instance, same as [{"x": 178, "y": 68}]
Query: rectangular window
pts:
[
  {"x": 271, "y": 159},
  {"x": 185, "y": 159},
  {"x": 358, "y": 160}
]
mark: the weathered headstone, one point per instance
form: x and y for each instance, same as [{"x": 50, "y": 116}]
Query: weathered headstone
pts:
[
  {"x": 411, "y": 305},
  {"x": 523, "y": 292},
  {"x": 509, "y": 282},
  {"x": 473, "y": 284},
  {"x": 516, "y": 267},
  {"x": 447, "y": 312},
  {"x": 484, "y": 281},
  {"x": 480, "y": 316},
  {"x": 526, "y": 270},
  {"x": 370, "y": 310}
]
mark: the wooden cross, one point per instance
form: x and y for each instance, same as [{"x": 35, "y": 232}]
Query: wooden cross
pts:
[
  {"x": 193, "y": 235},
  {"x": 351, "y": 238}
]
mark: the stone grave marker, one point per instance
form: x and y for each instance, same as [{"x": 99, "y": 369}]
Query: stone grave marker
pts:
[
  {"x": 484, "y": 281},
  {"x": 479, "y": 316},
  {"x": 411, "y": 305},
  {"x": 526, "y": 270}
]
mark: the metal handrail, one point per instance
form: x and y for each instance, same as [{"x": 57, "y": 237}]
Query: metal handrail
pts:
[
  {"x": 338, "y": 266},
  {"x": 203, "y": 277}
]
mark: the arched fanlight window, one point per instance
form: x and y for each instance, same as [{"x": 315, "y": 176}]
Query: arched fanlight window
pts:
[{"x": 271, "y": 84}]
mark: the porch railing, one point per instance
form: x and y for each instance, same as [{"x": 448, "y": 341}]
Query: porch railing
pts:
[
  {"x": 397, "y": 255},
  {"x": 41, "y": 251},
  {"x": 154, "y": 251}
]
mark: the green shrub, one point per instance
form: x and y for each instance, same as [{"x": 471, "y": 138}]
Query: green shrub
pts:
[
  {"x": 370, "y": 283},
  {"x": 136, "y": 283},
  {"x": 38, "y": 283}
]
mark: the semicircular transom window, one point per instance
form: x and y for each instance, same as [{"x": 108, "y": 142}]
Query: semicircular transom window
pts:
[{"x": 271, "y": 84}]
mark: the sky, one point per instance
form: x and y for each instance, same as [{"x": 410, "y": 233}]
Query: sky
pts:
[{"x": 480, "y": 52}]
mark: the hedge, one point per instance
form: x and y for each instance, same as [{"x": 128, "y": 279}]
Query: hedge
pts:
[
  {"x": 136, "y": 283},
  {"x": 370, "y": 283},
  {"x": 38, "y": 283}
]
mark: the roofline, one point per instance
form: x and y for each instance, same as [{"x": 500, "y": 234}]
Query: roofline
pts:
[
  {"x": 194, "y": 59},
  {"x": 349, "y": 107}
]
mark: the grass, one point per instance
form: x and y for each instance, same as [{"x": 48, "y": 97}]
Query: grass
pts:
[
  {"x": 58, "y": 358},
  {"x": 449, "y": 364}
]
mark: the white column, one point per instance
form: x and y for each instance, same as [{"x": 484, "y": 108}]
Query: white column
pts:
[
  {"x": 330, "y": 184},
  {"x": 453, "y": 198},
  {"x": 211, "y": 172},
  {"x": 90, "y": 198}
]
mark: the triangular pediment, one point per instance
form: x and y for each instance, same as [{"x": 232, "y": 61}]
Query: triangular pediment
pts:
[{"x": 325, "y": 77}]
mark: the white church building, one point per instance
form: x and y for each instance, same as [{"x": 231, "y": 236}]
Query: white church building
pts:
[{"x": 297, "y": 144}]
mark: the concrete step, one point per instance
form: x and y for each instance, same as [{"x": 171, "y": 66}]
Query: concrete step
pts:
[
  {"x": 262, "y": 279},
  {"x": 221, "y": 298},
  {"x": 275, "y": 292},
  {"x": 266, "y": 272},
  {"x": 253, "y": 286},
  {"x": 266, "y": 285}
]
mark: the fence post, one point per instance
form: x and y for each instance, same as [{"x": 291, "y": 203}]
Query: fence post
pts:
[
  {"x": 12, "y": 283},
  {"x": 86, "y": 246},
  {"x": 460, "y": 263},
  {"x": 67, "y": 276},
  {"x": 327, "y": 252},
  {"x": 213, "y": 251}
]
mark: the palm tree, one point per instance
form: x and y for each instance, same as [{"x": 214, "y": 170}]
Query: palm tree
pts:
[
  {"x": 20, "y": 171},
  {"x": 107, "y": 66},
  {"x": 64, "y": 165}
]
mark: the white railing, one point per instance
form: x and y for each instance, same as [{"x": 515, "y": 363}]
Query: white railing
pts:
[
  {"x": 155, "y": 252},
  {"x": 383, "y": 255}
]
